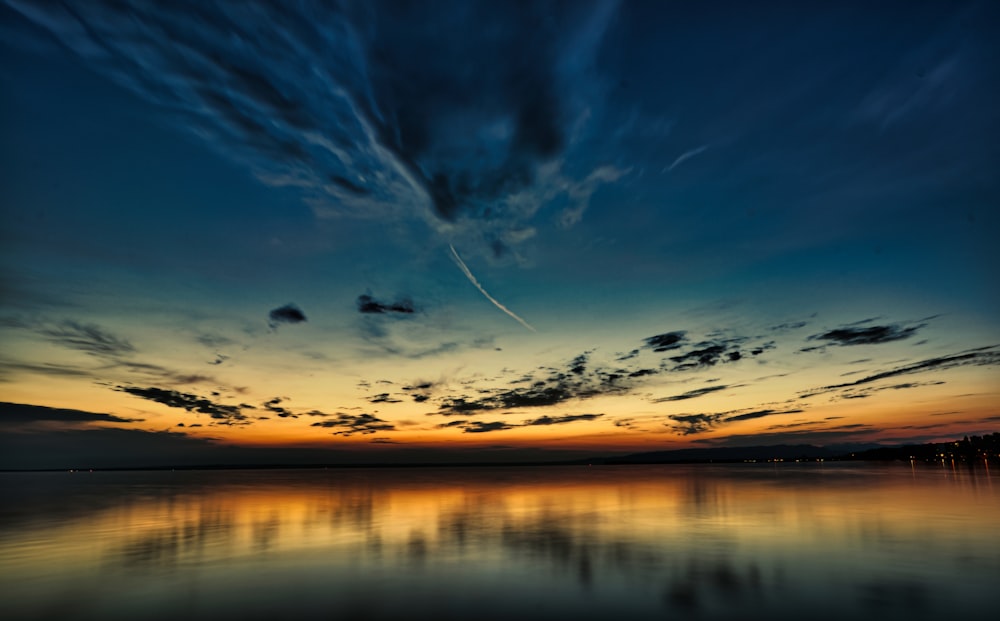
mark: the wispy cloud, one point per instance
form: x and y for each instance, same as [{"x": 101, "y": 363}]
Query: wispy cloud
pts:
[
  {"x": 981, "y": 356},
  {"x": 113, "y": 355},
  {"x": 362, "y": 111},
  {"x": 87, "y": 338}
]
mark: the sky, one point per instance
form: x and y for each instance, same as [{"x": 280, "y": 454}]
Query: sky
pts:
[{"x": 492, "y": 231}]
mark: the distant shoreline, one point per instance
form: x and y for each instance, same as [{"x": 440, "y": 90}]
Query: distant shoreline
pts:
[{"x": 970, "y": 451}]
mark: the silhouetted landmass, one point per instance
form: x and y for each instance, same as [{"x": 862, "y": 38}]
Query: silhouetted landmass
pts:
[
  {"x": 969, "y": 450},
  {"x": 781, "y": 452}
]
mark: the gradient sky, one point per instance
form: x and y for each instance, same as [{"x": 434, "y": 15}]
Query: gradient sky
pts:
[{"x": 494, "y": 230}]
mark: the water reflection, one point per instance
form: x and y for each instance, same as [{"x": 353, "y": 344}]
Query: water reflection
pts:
[{"x": 700, "y": 542}]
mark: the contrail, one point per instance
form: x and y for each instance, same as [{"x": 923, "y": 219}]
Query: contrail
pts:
[
  {"x": 684, "y": 157},
  {"x": 468, "y": 274}
]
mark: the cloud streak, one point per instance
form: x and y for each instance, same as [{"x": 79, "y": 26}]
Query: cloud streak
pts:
[
  {"x": 981, "y": 356},
  {"x": 692, "y": 394},
  {"x": 88, "y": 338}
]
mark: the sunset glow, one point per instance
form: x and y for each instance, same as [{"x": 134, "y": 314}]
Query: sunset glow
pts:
[{"x": 259, "y": 234}]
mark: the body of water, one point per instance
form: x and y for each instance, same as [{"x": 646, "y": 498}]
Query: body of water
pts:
[{"x": 753, "y": 541}]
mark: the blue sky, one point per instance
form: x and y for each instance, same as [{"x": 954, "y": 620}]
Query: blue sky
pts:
[{"x": 239, "y": 202}]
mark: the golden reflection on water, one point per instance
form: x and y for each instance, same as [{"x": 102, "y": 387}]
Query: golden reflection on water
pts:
[{"x": 703, "y": 542}]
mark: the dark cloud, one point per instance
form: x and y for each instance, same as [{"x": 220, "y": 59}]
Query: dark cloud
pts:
[
  {"x": 715, "y": 349},
  {"x": 629, "y": 356},
  {"x": 664, "y": 342},
  {"x": 866, "y": 335},
  {"x": 20, "y": 413},
  {"x": 863, "y": 393},
  {"x": 580, "y": 378},
  {"x": 535, "y": 396},
  {"x": 708, "y": 353},
  {"x": 289, "y": 313},
  {"x": 87, "y": 338},
  {"x": 186, "y": 401},
  {"x": 559, "y": 420},
  {"x": 691, "y": 424},
  {"x": 383, "y": 398},
  {"x": 273, "y": 405},
  {"x": 471, "y": 426},
  {"x": 981, "y": 356},
  {"x": 759, "y": 414},
  {"x": 691, "y": 394},
  {"x": 476, "y": 426},
  {"x": 419, "y": 386},
  {"x": 420, "y": 391},
  {"x": 805, "y": 423},
  {"x": 370, "y": 306},
  {"x": 423, "y": 96},
  {"x": 642, "y": 373},
  {"x": 354, "y": 424},
  {"x": 756, "y": 351}
]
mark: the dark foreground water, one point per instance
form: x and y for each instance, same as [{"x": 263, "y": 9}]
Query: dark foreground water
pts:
[{"x": 643, "y": 542}]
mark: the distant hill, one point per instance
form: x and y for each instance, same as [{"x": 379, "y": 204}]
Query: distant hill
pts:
[
  {"x": 725, "y": 454},
  {"x": 975, "y": 448}
]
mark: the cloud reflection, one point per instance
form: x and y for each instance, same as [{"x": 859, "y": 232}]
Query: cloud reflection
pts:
[{"x": 648, "y": 541}]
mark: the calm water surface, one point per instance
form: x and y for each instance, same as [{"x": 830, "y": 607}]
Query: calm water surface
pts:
[{"x": 817, "y": 541}]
